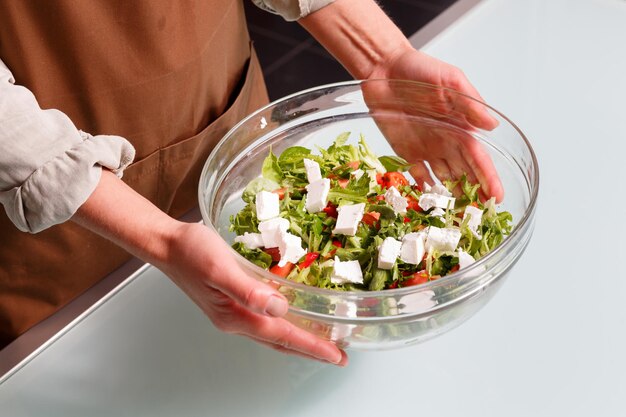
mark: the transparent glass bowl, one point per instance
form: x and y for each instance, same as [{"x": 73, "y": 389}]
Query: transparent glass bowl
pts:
[{"x": 423, "y": 123}]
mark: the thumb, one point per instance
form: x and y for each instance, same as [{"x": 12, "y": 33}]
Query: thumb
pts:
[{"x": 247, "y": 291}]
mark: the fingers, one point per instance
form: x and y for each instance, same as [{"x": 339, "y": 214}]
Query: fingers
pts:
[
  {"x": 275, "y": 332},
  {"x": 477, "y": 113},
  {"x": 228, "y": 277},
  {"x": 343, "y": 362}
]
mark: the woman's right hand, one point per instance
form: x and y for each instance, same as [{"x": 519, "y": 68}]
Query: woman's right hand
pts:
[{"x": 200, "y": 263}]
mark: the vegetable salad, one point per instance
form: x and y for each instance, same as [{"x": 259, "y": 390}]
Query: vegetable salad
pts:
[{"x": 346, "y": 219}]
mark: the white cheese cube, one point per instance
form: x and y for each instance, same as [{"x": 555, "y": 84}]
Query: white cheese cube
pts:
[
  {"x": 475, "y": 219},
  {"x": 317, "y": 195},
  {"x": 388, "y": 252},
  {"x": 413, "y": 247},
  {"x": 441, "y": 190},
  {"x": 271, "y": 231},
  {"x": 348, "y": 271},
  {"x": 442, "y": 239},
  {"x": 290, "y": 248},
  {"x": 436, "y": 189},
  {"x": 465, "y": 259},
  {"x": 348, "y": 219},
  {"x": 430, "y": 200},
  {"x": 313, "y": 171},
  {"x": 267, "y": 206},
  {"x": 251, "y": 240},
  {"x": 358, "y": 173},
  {"x": 396, "y": 200},
  {"x": 437, "y": 212}
]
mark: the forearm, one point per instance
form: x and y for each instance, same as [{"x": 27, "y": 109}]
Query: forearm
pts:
[
  {"x": 359, "y": 34},
  {"x": 118, "y": 213}
]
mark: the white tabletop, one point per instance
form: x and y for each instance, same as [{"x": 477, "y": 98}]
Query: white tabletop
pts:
[{"x": 550, "y": 343}]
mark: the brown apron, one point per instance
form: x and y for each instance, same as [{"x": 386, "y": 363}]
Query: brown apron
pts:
[{"x": 170, "y": 76}]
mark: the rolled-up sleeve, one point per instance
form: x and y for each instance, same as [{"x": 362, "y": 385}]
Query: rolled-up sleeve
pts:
[
  {"x": 48, "y": 168},
  {"x": 292, "y": 10}
]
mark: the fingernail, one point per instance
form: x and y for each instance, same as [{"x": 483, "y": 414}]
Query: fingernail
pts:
[
  {"x": 341, "y": 360},
  {"x": 276, "y": 306}
]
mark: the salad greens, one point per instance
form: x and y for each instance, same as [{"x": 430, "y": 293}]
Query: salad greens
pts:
[{"x": 357, "y": 175}]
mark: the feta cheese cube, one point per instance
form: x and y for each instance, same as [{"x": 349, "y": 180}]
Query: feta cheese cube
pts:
[
  {"x": 348, "y": 219},
  {"x": 413, "y": 247},
  {"x": 267, "y": 206},
  {"x": 348, "y": 271},
  {"x": 313, "y": 172},
  {"x": 441, "y": 190},
  {"x": 430, "y": 200},
  {"x": 358, "y": 173},
  {"x": 290, "y": 248},
  {"x": 271, "y": 231},
  {"x": 251, "y": 240},
  {"x": 436, "y": 189},
  {"x": 317, "y": 195},
  {"x": 438, "y": 212},
  {"x": 442, "y": 239},
  {"x": 465, "y": 259},
  {"x": 388, "y": 252},
  {"x": 396, "y": 200},
  {"x": 475, "y": 219}
]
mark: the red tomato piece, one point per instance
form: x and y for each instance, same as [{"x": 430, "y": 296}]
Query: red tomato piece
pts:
[
  {"x": 308, "y": 260},
  {"x": 420, "y": 277},
  {"x": 343, "y": 182},
  {"x": 353, "y": 165},
  {"x": 331, "y": 210},
  {"x": 281, "y": 193},
  {"x": 282, "y": 271},
  {"x": 394, "y": 179},
  {"x": 274, "y": 253},
  {"x": 393, "y": 285},
  {"x": 337, "y": 243},
  {"x": 413, "y": 204},
  {"x": 371, "y": 217}
]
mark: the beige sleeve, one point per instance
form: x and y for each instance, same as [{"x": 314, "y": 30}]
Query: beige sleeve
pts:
[
  {"x": 292, "y": 10},
  {"x": 48, "y": 168}
]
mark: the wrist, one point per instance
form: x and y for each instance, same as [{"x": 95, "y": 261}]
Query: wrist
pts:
[{"x": 359, "y": 34}]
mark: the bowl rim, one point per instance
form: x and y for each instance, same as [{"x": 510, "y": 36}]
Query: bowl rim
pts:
[{"x": 519, "y": 228}]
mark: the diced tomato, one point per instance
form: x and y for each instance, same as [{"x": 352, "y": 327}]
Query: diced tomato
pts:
[
  {"x": 418, "y": 278},
  {"x": 371, "y": 217},
  {"x": 379, "y": 179},
  {"x": 336, "y": 243},
  {"x": 475, "y": 204},
  {"x": 274, "y": 253},
  {"x": 331, "y": 210},
  {"x": 282, "y": 271},
  {"x": 353, "y": 165},
  {"x": 380, "y": 197},
  {"x": 393, "y": 285},
  {"x": 343, "y": 182},
  {"x": 406, "y": 220},
  {"x": 281, "y": 193},
  {"x": 308, "y": 260},
  {"x": 394, "y": 179},
  {"x": 413, "y": 204},
  {"x": 455, "y": 268}
]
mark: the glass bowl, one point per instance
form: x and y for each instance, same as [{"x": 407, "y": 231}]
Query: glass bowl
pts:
[{"x": 427, "y": 125}]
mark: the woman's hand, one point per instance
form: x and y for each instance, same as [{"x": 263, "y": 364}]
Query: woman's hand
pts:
[
  {"x": 370, "y": 46},
  {"x": 200, "y": 263}
]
